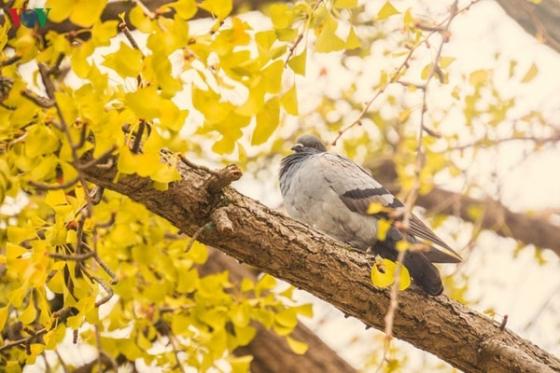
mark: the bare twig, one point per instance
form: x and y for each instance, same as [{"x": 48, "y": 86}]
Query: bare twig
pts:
[
  {"x": 42, "y": 186},
  {"x": 75, "y": 257},
  {"x": 24, "y": 340},
  {"x": 37, "y": 100}
]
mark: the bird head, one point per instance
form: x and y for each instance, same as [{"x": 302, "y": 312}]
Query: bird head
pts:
[{"x": 308, "y": 143}]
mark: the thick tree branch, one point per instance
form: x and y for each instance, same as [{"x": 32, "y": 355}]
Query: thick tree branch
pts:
[
  {"x": 540, "y": 20},
  {"x": 270, "y": 352},
  {"x": 496, "y": 217},
  {"x": 289, "y": 250}
]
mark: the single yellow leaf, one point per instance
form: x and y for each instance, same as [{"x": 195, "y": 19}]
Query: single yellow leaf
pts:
[
  {"x": 219, "y": 8},
  {"x": 140, "y": 20},
  {"x": 530, "y": 74},
  {"x": 445, "y": 61},
  {"x": 375, "y": 207},
  {"x": 382, "y": 273},
  {"x": 3, "y": 316},
  {"x": 86, "y": 12},
  {"x": 478, "y": 77},
  {"x": 297, "y": 63},
  {"x": 240, "y": 364},
  {"x": 386, "y": 11},
  {"x": 345, "y": 4},
  {"x": 186, "y": 9},
  {"x": 298, "y": 347},
  {"x": 328, "y": 41},
  {"x": 28, "y": 315},
  {"x": 353, "y": 42},
  {"x": 289, "y": 101},
  {"x": 383, "y": 227},
  {"x": 267, "y": 121},
  {"x": 126, "y": 61}
]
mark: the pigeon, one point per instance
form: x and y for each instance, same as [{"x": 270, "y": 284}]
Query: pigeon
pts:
[{"x": 332, "y": 194}]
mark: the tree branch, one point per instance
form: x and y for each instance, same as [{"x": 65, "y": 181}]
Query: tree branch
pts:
[
  {"x": 539, "y": 20},
  {"x": 289, "y": 250}
]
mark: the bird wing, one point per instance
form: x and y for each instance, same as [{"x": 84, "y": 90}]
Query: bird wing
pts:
[{"x": 358, "y": 189}]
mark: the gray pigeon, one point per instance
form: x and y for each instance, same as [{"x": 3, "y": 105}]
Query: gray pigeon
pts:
[{"x": 332, "y": 194}]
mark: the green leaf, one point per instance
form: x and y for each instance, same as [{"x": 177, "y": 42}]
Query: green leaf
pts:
[{"x": 386, "y": 11}]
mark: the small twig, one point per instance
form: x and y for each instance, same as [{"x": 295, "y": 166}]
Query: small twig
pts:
[
  {"x": 102, "y": 264},
  {"x": 105, "y": 287},
  {"x": 106, "y": 224},
  {"x": 176, "y": 352},
  {"x": 75, "y": 257},
  {"x": 37, "y": 100},
  {"x": 61, "y": 361},
  {"x": 293, "y": 47},
  {"x": 10, "y": 61},
  {"x": 42, "y": 186},
  {"x": 195, "y": 236},
  {"x": 23, "y": 341},
  {"x": 504, "y": 323},
  {"x": 97, "y": 195},
  {"x": 195, "y": 166},
  {"x": 101, "y": 159},
  {"x": 83, "y": 136},
  {"x": 124, "y": 29},
  {"x": 138, "y": 137}
]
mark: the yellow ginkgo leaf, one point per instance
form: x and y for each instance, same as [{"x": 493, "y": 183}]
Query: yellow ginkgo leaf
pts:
[
  {"x": 386, "y": 11},
  {"x": 530, "y": 74},
  {"x": 219, "y": 8},
  {"x": 383, "y": 274},
  {"x": 383, "y": 227},
  {"x": 298, "y": 347}
]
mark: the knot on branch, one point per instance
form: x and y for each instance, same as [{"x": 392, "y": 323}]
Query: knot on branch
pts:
[
  {"x": 221, "y": 221},
  {"x": 222, "y": 178}
]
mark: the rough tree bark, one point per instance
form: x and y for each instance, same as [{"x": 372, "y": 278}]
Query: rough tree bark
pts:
[
  {"x": 270, "y": 352},
  {"x": 496, "y": 217},
  {"x": 287, "y": 249}
]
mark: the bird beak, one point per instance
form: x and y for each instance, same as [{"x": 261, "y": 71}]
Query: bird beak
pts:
[{"x": 297, "y": 147}]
